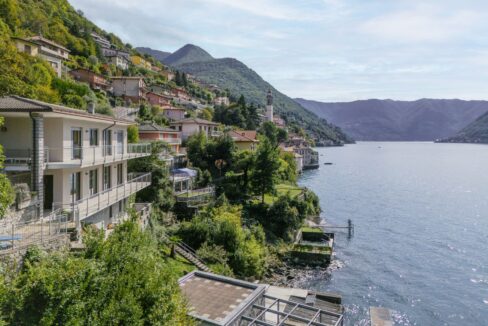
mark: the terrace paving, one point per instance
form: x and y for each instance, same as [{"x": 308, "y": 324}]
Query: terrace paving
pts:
[{"x": 213, "y": 299}]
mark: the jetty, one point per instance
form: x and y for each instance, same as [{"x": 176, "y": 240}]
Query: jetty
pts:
[{"x": 380, "y": 316}]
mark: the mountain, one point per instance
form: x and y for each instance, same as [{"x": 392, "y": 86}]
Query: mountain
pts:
[
  {"x": 388, "y": 120},
  {"x": 187, "y": 54},
  {"x": 159, "y": 55},
  {"x": 236, "y": 77},
  {"x": 475, "y": 132}
]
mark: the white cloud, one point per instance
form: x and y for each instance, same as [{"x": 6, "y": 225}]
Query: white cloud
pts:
[{"x": 423, "y": 24}]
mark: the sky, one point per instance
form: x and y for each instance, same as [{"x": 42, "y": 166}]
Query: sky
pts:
[{"x": 324, "y": 50}]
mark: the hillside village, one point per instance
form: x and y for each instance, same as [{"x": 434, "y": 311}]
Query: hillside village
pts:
[{"x": 105, "y": 147}]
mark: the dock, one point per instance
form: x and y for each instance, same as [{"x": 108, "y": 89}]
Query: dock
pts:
[{"x": 380, "y": 316}]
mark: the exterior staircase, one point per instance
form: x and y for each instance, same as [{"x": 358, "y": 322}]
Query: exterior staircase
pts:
[{"x": 188, "y": 253}]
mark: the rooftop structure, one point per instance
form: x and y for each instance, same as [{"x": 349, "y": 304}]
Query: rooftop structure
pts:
[
  {"x": 223, "y": 301},
  {"x": 218, "y": 300}
]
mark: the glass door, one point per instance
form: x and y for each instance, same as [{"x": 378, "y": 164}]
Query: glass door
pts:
[
  {"x": 75, "y": 180},
  {"x": 107, "y": 142},
  {"x": 120, "y": 142},
  {"x": 93, "y": 182},
  {"x": 76, "y": 143},
  {"x": 107, "y": 177}
]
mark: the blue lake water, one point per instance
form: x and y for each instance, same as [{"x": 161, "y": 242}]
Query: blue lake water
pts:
[{"x": 421, "y": 230}]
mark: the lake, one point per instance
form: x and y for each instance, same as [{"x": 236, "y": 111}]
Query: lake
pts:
[{"x": 420, "y": 246}]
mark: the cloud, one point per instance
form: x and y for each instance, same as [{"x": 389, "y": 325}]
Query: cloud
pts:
[{"x": 423, "y": 24}]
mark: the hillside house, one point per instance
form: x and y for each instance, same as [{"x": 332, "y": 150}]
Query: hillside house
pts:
[
  {"x": 244, "y": 139},
  {"x": 221, "y": 100},
  {"x": 192, "y": 126},
  {"x": 132, "y": 88},
  {"x": 154, "y": 132},
  {"x": 118, "y": 60},
  {"x": 140, "y": 62},
  {"x": 180, "y": 93},
  {"x": 158, "y": 99},
  {"x": 174, "y": 113},
  {"x": 100, "y": 40},
  {"x": 50, "y": 51},
  {"x": 75, "y": 161},
  {"x": 96, "y": 81}
]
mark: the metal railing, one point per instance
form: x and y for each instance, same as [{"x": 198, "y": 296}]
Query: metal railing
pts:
[
  {"x": 21, "y": 234},
  {"x": 195, "y": 194},
  {"x": 172, "y": 141},
  {"x": 88, "y": 206},
  {"x": 80, "y": 155}
]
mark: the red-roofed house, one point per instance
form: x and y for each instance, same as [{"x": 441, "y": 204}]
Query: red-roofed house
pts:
[{"x": 244, "y": 139}]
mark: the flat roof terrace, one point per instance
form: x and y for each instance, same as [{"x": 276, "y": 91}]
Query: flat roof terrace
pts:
[{"x": 218, "y": 300}]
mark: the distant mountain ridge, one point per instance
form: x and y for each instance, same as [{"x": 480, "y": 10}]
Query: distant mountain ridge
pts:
[
  {"x": 475, "y": 132},
  {"x": 159, "y": 55},
  {"x": 389, "y": 120},
  {"x": 187, "y": 54},
  {"x": 231, "y": 74}
]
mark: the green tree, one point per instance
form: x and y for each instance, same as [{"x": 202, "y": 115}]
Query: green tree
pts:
[
  {"x": 132, "y": 134},
  {"x": 265, "y": 170},
  {"x": 6, "y": 190},
  {"x": 123, "y": 280}
]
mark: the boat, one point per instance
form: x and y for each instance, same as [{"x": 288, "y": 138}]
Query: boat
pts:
[{"x": 328, "y": 163}]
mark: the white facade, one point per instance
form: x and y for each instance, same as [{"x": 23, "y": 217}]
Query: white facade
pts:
[
  {"x": 191, "y": 126},
  {"x": 84, "y": 170}
]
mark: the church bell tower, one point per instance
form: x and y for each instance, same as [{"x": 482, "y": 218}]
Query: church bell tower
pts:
[{"x": 269, "y": 106}]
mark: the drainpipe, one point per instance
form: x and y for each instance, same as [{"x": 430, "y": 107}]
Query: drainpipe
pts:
[{"x": 37, "y": 166}]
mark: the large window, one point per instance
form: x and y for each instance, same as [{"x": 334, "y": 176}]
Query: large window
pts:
[
  {"x": 76, "y": 143},
  {"x": 120, "y": 174},
  {"x": 120, "y": 142},
  {"x": 75, "y": 185},
  {"x": 107, "y": 142},
  {"x": 93, "y": 182},
  {"x": 93, "y": 137},
  {"x": 107, "y": 177}
]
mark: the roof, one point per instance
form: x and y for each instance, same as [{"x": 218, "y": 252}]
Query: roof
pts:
[
  {"x": 189, "y": 172},
  {"x": 128, "y": 77},
  {"x": 243, "y": 135},
  {"x": 19, "y": 104},
  {"x": 168, "y": 108},
  {"x": 216, "y": 299},
  {"x": 90, "y": 71},
  {"x": 151, "y": 127},
  {"x": 195, "y": 120},
  {"x": 45, "y": 40}
]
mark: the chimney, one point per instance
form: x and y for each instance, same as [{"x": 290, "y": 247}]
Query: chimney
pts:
[{"x": 91, "y": 107}]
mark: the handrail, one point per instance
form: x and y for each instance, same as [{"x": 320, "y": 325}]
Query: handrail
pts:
[
  {"x": 102, "y": 153},
  {"x": 88, "y": 206}
]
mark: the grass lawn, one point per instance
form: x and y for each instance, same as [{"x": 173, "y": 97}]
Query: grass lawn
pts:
[{"x": 283, "y": 189}]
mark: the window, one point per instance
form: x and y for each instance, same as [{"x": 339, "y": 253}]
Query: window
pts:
[
  {"x": 93, "y": 137},
  {"x": 107, "y": 142},
  {"x": 76, "y": 143},
  {"x": 120, "y": 175},
  {"x": 93, "y": 182},
  {"x": 75, "y": 186},
  {"x": 107, "y": 177},
  {"x": 120, "y": 142},
  {"x": 27, "y": 49}
]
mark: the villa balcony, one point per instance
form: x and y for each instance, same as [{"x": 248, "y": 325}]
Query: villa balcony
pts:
[
  {"x": 75, "y": 157},
  {"x": 91, "y": 205},
  {"x": 172, "y": 141}
]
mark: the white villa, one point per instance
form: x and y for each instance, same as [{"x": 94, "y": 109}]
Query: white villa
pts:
[
  {"x": 191, "y": 126},
  {"x": 71, "y": 159}
]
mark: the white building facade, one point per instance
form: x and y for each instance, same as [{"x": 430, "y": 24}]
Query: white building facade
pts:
[{"x": 76, "y": 160}]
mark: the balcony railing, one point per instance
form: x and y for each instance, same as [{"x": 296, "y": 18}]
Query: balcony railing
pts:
[
  {"x": 80, "y": 155},
  {"x": 93, "y": 204},
  {"x": 172, "y": 141}
]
